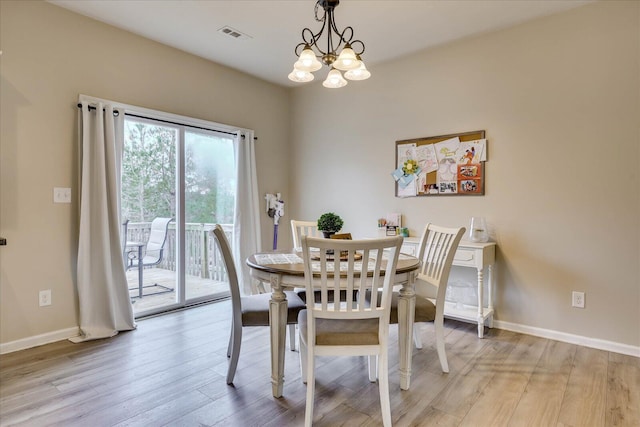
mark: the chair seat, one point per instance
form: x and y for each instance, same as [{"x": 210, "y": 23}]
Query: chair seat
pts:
[
  {"x": 341, "y": 332},
  {"x": 255, "y": 308},
  {"x": 425, "y": 310}
]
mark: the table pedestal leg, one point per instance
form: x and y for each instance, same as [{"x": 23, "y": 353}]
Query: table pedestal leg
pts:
[
  {"x": 278, "y": 322},
  {"x": 406, "y": 312}
]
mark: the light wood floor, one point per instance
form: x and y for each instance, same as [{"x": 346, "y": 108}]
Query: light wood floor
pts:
[{"x": 171, "y": 371}]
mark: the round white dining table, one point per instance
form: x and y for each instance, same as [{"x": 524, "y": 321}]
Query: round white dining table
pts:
[{"x": 284, "y": 270}]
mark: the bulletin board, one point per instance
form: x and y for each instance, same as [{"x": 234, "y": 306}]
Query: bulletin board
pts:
[{"x": 445, "y": 165}]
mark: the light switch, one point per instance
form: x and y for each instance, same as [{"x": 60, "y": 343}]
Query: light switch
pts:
[{"x": 61, "y": 195}]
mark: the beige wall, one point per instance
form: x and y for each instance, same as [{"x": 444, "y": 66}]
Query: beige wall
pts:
[
  {"x": 51, "y": 55},
  {"x": 558, "y": 97},
  {"x": 559, "y": 100}
]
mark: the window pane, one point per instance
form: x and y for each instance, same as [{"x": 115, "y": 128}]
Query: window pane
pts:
[
  {"x": 149, "y": 204},
  {"x": 209, "y": 179},
  {"x": 209, "y": 199}
]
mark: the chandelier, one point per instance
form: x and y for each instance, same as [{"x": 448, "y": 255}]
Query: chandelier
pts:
[{"x": 310, "y": 50}]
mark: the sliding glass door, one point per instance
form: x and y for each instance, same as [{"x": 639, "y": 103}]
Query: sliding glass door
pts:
[{"x": 176, "y": 184}]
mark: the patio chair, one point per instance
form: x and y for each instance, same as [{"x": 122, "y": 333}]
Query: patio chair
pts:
[{"x": 153, "y": 253}]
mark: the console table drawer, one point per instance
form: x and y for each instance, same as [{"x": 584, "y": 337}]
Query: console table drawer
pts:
[
  {"x": 465, "y": 258},
  {"x": 409, "y": 249}
]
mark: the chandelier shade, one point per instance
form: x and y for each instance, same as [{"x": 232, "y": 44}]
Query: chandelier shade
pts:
[
  {"x": 307, "y": 61},
  {"x": 360, "y": 73},
  {"x": 300, "y": 76},
  {"x": 334, "y": 48},
  {"x": 347, "y": 60},
  {"x": 334, "y": 80}
]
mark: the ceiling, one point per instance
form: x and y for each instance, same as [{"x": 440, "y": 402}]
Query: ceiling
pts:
[{"x": 388, "y": 28}]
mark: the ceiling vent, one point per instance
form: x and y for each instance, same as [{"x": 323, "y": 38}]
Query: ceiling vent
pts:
[{"x": 233, "y": 33}]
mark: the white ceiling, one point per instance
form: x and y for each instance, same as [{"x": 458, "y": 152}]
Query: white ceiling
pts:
[{"x": 388, "y": 28}]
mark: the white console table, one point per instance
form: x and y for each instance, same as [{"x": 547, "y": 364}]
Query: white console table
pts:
[{"x": 473, "y": 255}]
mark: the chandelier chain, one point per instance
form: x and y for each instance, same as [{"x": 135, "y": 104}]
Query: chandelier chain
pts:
[{"x": 316, "y": 13}]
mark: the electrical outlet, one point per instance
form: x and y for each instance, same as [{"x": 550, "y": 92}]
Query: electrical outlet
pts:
[
  {"x": 577, "y": 299},
  {"x": 61, "y": 195},
  {"x": 45, "y": 297}
]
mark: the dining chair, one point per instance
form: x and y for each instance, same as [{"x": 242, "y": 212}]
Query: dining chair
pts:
[
  {"x": 354, "y": 327},
  {"x": 437, "y": 248},
  {"x": 303, "y": 228},
  {"x": 249, "y": 310}
]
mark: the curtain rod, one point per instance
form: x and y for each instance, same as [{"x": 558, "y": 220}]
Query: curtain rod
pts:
[{"x": 116, "y": 113}]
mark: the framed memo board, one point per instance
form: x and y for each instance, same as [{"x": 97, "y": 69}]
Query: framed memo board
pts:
[{"x": 444, "y": 165}]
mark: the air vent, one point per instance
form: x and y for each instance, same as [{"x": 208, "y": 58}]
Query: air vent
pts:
[{"x": 233, "y": 33}]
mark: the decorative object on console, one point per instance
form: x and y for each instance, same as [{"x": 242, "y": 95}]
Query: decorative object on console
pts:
[
  {"x": 394, "y": 219},
  {"x": 329, "y": 223},
  {"x": 392, "y": 230},
  {"x": 393, "y": 224},
  {"x": 348, "y": 59},
  {"x": 478, "y": 230}
]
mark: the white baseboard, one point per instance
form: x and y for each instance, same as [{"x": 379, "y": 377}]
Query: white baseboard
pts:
[
  {"x": 615, "y": 347},
  {"x": 569, "y": 338},
  {"x": 37, "y": 340}
]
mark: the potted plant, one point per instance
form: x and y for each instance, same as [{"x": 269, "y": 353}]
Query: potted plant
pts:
[{"x": 329, "y": 223}]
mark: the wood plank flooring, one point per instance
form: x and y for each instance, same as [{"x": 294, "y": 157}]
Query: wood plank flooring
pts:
[{"x": 171, "y": 371}]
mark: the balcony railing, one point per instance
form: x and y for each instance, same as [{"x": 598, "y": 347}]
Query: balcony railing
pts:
[{"x": 202, "y": 256}]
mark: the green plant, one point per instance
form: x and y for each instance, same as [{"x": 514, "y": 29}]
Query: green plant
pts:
[{"x": 330, "y": 222}]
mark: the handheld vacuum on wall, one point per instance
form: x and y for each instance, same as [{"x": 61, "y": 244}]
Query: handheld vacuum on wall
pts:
[{"x": 275, "y": 210}]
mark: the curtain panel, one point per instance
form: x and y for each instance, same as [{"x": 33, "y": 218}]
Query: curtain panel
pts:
[
  {"x": 103, "y": 296},
  {"x": 246, "y": 224}
]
